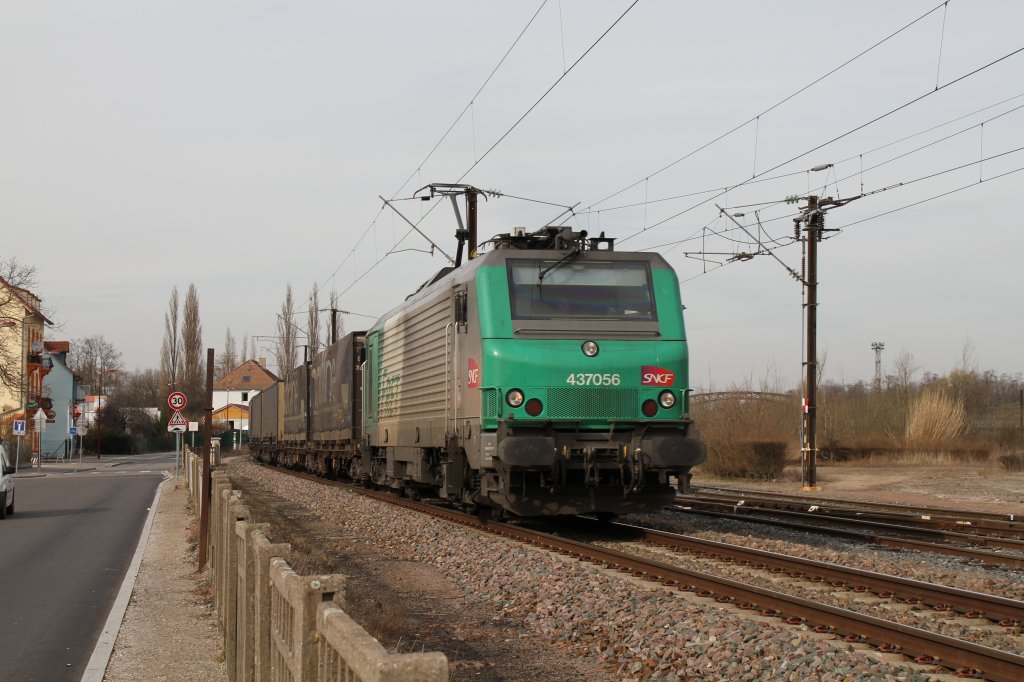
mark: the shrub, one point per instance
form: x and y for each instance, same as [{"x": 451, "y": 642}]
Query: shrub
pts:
[
  {"x": 754, "y": 459},
  {"x": 1012, "y": 463},
  {"x": 936, "y": 419}
]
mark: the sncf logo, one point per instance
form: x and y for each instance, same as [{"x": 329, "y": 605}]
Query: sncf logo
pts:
[
  {"x": 473, "y": 375},
  {"x": 656, "y": 376}
]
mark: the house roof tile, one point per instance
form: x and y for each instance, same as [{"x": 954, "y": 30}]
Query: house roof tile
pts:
[{"x": 259, "y": 378}]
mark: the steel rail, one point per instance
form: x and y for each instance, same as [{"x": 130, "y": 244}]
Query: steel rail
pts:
[
  {"x": 966, "y": 538},
  {"x": 717, "y": 491},
  {"x": 984, "y": 556},
  {"x": 925, "y": 516},
  {"x": 1007, "y": 612}
]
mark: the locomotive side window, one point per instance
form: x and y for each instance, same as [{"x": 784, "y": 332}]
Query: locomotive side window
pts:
[{"x": 582, "y": 288}]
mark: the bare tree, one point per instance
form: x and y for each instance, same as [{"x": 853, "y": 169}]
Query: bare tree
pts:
[
  {"x": 142, "y": 388},
  {"x": 228, "y": 360},
  {"x": 286, "y": 334},
  {"x": 15, "y": 281},
  {"x": 904, "y": 370},
  {"x": 313, "y": 321},
  {"x": 193, "y": 368},
  {"x": 93, "y": 355},
  {"x": 170, "y": 351}
]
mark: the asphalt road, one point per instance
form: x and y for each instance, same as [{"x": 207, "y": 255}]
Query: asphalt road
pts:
[{"x": 63, "y": 556}]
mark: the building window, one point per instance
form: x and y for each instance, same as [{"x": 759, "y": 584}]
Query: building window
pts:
[
  {"x": 246, "y": 378},
  {"x": 245, "y": 396}
]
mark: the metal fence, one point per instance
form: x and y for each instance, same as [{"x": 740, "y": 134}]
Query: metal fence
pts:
[{"x": 278, "y": 625}]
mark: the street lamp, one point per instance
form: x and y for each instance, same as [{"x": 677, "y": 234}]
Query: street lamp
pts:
[{"x": 99, "y": 404}]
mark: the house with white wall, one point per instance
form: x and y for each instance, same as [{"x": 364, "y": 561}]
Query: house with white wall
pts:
[{"x": 240, "y": 385}]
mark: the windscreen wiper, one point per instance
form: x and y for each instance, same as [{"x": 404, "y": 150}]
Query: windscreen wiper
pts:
[{"x": 576, "y": 250}]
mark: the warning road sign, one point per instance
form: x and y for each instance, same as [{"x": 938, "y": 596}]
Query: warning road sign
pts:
[{"x": 177, "y": 422}]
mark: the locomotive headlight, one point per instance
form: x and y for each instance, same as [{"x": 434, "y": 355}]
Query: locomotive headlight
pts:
[
  {"x": 667, "y": 399},
  {"x": 590, "y": 349},
  {"x": 514, "y": 398}
]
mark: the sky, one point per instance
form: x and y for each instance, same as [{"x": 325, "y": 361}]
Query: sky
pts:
[{"x": 241, "y": 146}]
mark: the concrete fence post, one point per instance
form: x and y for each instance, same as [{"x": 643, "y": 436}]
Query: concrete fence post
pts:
[
  {"x": 247, "y": 589},
  {"x": 293, "y": 633},
  {"x": 225, "y": 569},
  {"x": 263, "y": 551},
  {"x": 234, "y": 581}
]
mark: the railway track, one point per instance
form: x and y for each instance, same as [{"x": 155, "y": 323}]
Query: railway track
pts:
[
  {"x": 921, "y": 646},
  {"x": 1010, "y": 525},
  {"x": 900, "y": 536}
]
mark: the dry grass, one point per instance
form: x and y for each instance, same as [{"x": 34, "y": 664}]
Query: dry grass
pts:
[
  {"x": 1013, "y": 463},
  {"x": 924, "y": 458},
  {"x": 936, "y": 420}
]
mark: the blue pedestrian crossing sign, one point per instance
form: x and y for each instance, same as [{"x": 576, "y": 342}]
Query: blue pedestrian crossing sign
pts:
[
  {"x": 72, "y": 430},
  {"x": 19, "y": 427}
]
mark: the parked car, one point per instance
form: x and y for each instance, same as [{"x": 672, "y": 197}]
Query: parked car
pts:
[{"x": 6, "y": 483}]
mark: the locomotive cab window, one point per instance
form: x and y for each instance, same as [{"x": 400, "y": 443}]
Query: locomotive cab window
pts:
[{"x": 581, "y": 289}]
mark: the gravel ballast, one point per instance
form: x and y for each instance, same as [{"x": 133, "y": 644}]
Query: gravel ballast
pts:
[{"x": 578, "y": 613}]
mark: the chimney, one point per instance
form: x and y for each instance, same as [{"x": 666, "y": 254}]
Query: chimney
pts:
[{"x": 263, "y": 363}]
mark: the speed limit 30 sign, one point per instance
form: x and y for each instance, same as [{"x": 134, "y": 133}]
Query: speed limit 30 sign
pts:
[{"x": 177, "y": 400}]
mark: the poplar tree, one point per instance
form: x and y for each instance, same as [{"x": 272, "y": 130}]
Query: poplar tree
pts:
[
  {"x": 228, "y": 359},
  {"x": 170, "y": 350},
  {"x": 313, "y": 321},
  {"x": 193, "y": 367},
  {"x": 286, "y": 334}
]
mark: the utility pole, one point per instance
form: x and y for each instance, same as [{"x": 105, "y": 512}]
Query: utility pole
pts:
[
  {"x": 814, "y": 223},
  {"x": 205, "y": 496},
  {"x": 813, "y": 220},
  {"x": 878, "y": 346}
]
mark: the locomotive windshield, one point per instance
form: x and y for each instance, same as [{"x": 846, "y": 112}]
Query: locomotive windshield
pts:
[{"x": 580, "y": 288}]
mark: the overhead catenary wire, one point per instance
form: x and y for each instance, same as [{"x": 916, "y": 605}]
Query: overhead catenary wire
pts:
[
  {"x": 702, "y": 232},
  {"x": 440, "y": 141},
  {"x": 858, "y": 157},
  {"x": 472, "y": 100},
  {"x": 973, "y": 183},
  {"x": 905, "y": 183},
  {"x": 548, "y": 91},
  {"x": 838, "y": 137},
  {"x": 886, "y": 162},
  {"x": 770, "y": 109},
  {"x": 839, "y": 229},
  {"x": 489, "y": 150},
  {"x": 525, "y": 114}
]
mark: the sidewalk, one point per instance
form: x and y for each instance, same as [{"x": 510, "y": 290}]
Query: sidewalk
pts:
[
  {"x": 169, "y": 631},
  {"x": 28, "y": 470}
]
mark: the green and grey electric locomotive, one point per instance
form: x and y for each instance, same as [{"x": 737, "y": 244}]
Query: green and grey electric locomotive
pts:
[{"x": 546, "y": 376}]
